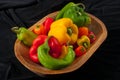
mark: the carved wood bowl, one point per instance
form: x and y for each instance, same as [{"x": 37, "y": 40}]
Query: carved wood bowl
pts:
[{"x": 21, "y": 51}]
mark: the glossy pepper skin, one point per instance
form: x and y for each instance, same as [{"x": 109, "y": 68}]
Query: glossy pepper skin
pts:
[
  {"x": 76, "y": 13},
  {"x": 33, "y": 49},
  {"x": 48, "y": 21},
  {"x": 39, "y": 30},
  {"x": 24, "y": 35},
  {"x": 91, "y": 36},
  {"x": 80, "y": 50},
  {"x": 33, "y": 54},
  {"x": 84, "y": 41},
  {"x": 82, "y": 31},
  {"x": 55, "y": 47},
  {"x": 61, "y": 13},
  {"x": 64, "y": 30},
  {"x": 52, "y": 63},
  {"x": 43, "y": 28}
]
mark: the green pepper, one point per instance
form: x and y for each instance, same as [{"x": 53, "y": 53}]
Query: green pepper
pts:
[
  {"x": 24, "y": 35},
  {"x": 61, "y": 13},
  {"x": 76, "y": 13},
  {"x": 84, "y": 41},
  {"x": 52, "y": 63}
]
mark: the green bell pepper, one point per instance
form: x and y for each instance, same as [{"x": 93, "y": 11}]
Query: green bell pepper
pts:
[
  {"x": 76, "y": 13},
  {"x": 61, "y": 13}
]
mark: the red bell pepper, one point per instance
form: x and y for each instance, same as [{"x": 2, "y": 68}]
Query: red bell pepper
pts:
[
  {"x": 33, "y": 50},
  {"x": 80, "y": 50},
  {"x": 55, "y": 47},
  {"x": 33, "y": 54},
  {"x": 91, "y": 36},
  {"x": 48, "y": 21}
]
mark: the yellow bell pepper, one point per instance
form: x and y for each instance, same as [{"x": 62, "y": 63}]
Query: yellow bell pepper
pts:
[
  {"x": 84, "y": 41},
  {"x": 64, "y": 30}
]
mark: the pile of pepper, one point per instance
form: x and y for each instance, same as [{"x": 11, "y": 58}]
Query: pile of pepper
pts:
[{"x": 55, "y": 43}]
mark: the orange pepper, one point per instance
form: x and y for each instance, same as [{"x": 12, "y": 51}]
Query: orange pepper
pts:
[
  {"x": 82, "y": 31},
  {"x": 39, "y": 30}
]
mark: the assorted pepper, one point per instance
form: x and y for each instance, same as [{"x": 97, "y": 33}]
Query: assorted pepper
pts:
[
  {"x": 43, "y": 28},
  {"x": 52, "y": 63},
  {"x": 56, "y": 43}
]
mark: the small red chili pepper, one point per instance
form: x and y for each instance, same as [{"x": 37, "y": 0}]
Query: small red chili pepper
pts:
[
  {"x": 33, "y": 50},
  {"x": 80, "y": 50},
  {"x": 91, "y": 36},
  {"x": 48, "y": 21}
]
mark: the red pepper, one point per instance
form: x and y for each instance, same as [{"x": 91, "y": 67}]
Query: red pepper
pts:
[
  {"x": 80, "y": 50},
  {"x": 33, "y": 50},
  {"x": 55, "y": 47},
  {"x": 48, "y": 21},
  {"x": 91, "y": 36},
  {"x": 39, "y": 40},
  {"x": 33, "y": 54}
]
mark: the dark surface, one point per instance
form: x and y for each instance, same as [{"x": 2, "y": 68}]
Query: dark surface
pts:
[{"x": 103, "y": 65}]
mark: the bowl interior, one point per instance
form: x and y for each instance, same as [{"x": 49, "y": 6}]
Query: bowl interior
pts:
[{"x": 21, "y": 51}]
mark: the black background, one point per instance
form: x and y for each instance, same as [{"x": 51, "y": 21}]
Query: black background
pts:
[{"x": 103, "y": 65}]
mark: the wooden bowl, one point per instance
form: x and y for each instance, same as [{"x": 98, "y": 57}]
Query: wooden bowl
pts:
[{"x": 21, "y": 51}]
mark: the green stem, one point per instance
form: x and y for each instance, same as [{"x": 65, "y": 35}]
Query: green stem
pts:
[
  {"x": 81, "y": 4},
  {"x": 15, "y": 29},
  {"x": 85, "y": 44},
  {"x": 69, "y": 31}
]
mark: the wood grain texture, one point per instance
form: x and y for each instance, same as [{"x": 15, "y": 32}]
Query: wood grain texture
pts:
[{"x": 21, "y": 51}]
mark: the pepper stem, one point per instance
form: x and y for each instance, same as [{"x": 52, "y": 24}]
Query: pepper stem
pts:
[
  {"x": 85, "y": 44},
  {"x": 15, "y": 29},
  {"x": 69, "y": 31},
  {"x": 82, "y": 5}
]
